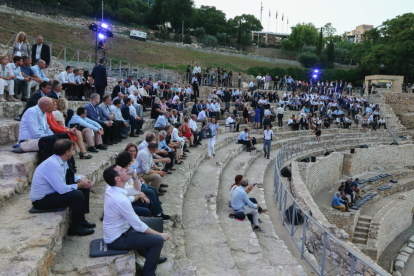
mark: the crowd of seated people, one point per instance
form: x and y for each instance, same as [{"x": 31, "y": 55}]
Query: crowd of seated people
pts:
[{"x": 348, "y": 192}]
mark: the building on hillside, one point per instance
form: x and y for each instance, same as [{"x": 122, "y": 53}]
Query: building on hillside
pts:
[
  {"x": 268, "y": 38},
  {"x": 355, "y": 36}
]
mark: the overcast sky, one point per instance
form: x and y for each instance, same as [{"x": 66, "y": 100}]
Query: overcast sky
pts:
[{"x": 344, "y": 15}]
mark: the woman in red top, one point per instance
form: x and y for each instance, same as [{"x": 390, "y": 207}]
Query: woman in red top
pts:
[
  {"x": 186, "y": 131},
  {"x": 74, "y": 134}
]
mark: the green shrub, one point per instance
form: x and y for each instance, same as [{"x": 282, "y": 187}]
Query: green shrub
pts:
[
  {"x": 210, "y": 41},
  {"x": 187, "y": 39},
  {"x": 307, "y": 59}
]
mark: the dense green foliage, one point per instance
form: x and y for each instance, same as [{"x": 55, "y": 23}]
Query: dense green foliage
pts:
[
  {"x": 308, "y": 59},
  {"x": 302, "y": 34}
]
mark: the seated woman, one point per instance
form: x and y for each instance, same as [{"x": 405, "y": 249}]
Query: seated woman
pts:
[
  {"x": 237, "y": 183},
  {"x": 125, "y": 160},
  {"x": 185, "y": 130},
  {"x": 74, "y": 134}
]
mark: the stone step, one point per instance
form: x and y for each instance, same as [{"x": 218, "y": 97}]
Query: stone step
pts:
[
  {"x": 362, "y": 229},
  {"x": 363, "y": 223},
  {"x": 361, "y": 234},
  {"x": 365, "y": 218},
  {"x": 359, "y": 240},
  {"x": 38, "y": 237}
]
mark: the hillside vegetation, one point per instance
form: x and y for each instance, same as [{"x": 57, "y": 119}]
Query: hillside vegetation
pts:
[{"x": 145, "y": 53}]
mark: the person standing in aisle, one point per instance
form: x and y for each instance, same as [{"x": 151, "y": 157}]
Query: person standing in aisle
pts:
[
  {"x": 212, "y": 127},
  {"x": 280, "y": 112},
  {"x": 267, "y": 142},
  {"x": 100, "y": 79}
]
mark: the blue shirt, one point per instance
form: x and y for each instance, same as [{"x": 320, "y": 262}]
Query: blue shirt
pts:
[
  {"x": 36, "y": 70},
  {"x": 13, "y": 70},
  {"x": 213, "y": 128},
  {"x": 85, "y": 122},
  {"x": 239, "y": 199},
  {"x": 355, "y": 184},
  {"x": 34, "y": 124},
  {"x": 161, "y": 121},
  {"x": 45, "y": 183},
  {"x": 27, "y": 71},
  {"x": 337, "y": 201},
  {"x": 163, "y": 145},
  {"x": 243, "y": 136}
]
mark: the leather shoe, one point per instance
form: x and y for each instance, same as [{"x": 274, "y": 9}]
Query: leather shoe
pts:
[
  {"x": 162, "y": 260},
  {"x": 80, "y": 231},
  {"x": 101, "y": 147},
  {"x": 162, "y": 190},
  {"x": 172, "y": 169},
  {"x": 165, "y": 217},
  {"x": 92, "y": 149},
  {"x": 160, "y": 194},
  {"x": 133, "y": 135},
  {"x": 88, "y": 224},
  {"x": 140, "y": 132},
  {"x": 109, "y": 143},
  {"x": 164, "y": 185},
  {"x": 123, "y": 136},
  {"x": 119, "y": 140}
]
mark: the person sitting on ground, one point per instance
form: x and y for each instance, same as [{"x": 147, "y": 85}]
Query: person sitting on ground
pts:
[
  {"x": 246, "y": 140},
  {"x": 202, "y": 117},
  {"x": 44, "y": 90},
  {"x": 119, "y": 119},
  {"x": 240, "y": 202},
  {"x": 51, "y": 190},
  {"x": 6, "y": 80},
  {"x": 156, "y": 109},
  {"x": 33, "y": 126},
  {"x": 382, "y": 123},
  {"x": 355, "y": 188},
  {"x": 134, "y": 122},
  {"x": 157, "y": 155},
  {"x": 349, "y": 191},
  {"x": 232, "y": 123},
  {"x": 175, "y": 137},
  {"x": 88, "y": 126},
  {"x": 146, "y": 169},
  {"x": 185, "y": 131},
  {"x": 123, "y": 230},
  {"x": 176, "y": 146},
  {"x": 237, "y": 183},
  {"x": 194, "y": 129},
  {"x": 338, "y": 202},
  {"x": 166, "y": 151},
  {"x": 73, "y": 133},
  {"x": 162, "y": 121}
]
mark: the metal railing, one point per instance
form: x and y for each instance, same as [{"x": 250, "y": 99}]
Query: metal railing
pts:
[{"x": 310, "y": 236}]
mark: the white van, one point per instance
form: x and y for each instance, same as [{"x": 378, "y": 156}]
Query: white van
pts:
[{"x": 138, "y": 35}]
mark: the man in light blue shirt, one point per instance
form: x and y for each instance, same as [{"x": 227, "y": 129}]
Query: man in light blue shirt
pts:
[
  {"x": 162, "y": 122},
  {"x": 337, "y": 202},
  {"x": 246, "y": 140},
  {"x": 51, "y": 190},
  {"x": 240, "y": 202},
  {"x": 38, "y": 70},
  {"x": 144, "y": 168}
]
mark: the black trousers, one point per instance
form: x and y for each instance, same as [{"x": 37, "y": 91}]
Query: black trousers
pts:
[
  {"x": 280, "y": 119},
  {"x": 142, "y": 209},
  {"x": 197, "y": 136},
  {"x": 77, "y": 200},
  {"x": 196, "y": 91},
  {"x": 120, "y": 128},
  {"x": 110, "y": 133},
  {"x": 133, "y": 240},
  {"x": 247, "y": 143},
  {"x": 100, "y": 90}
]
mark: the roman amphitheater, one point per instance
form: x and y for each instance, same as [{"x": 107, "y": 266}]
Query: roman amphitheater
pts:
[{"x": 310, "y": 238}]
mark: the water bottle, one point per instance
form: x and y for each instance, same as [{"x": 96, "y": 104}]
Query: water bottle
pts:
[{"x": 133, "y": 167}]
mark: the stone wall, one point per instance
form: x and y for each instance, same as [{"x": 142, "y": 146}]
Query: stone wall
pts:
[
  {"x": 403, "y": 106},
  {"x": 388, "y": 223},
  {"x": 382, "y": 156},
  {"x": 322, "y": 173}
]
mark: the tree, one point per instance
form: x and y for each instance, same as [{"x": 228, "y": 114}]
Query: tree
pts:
[
  {"x": 172, "y": 11},
  {"x": 199, "y": 32},
  {"x": 187, "y": 39},
  {"x": 307, "y": 59},
  {"x": 239, "y": 33},
  {"x": 221, "y": 38},
  {"x": 243, "y": 23},
  {"x": 211, "y": 19},
  {"x": 328, "y": 30},
  {"x": 390, "y": 45},
  {"x": 126, "y": 16},
  {"x": 209, "y": 41},
  {"x": 301, "y": 34},
  {"x": 319, "y": 45},
  {"x": 331, "y": 51}
]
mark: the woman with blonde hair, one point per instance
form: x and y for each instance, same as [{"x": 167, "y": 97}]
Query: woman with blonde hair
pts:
[
  {"x": 57, "y": 125},
  {"x": 20, "y": 47},
  {"x": 6, "y": 80}
]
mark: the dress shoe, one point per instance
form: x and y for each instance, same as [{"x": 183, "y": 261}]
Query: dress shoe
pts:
[
  {"x": 101, "y": 147},
  {"x": 165, "y": 217},
  {"x": 118, "y": 140},
  {"x": 123, "y": 136},
  {"x": 24, "y": 99},
  {"x": 160, "y": 194},
  {"x": 162, "y": 260},
  {"x": 164, "y": 185},
  {"x": 172, "y": 169},
  {"x": 162, "y": 190},
  {"x": 88, "y": 224},
  {"x": 109, "y": 143},
  {"x": 92, "y": 149},
  {"x": 133, "y": 135},
  {"x": 80, "y": 231},
  {"x": 140, "y": 132}
]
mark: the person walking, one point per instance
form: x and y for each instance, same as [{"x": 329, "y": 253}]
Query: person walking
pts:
[
  {"x": 268, "y": 135},
  {"x": 280, "y": 112},
  {"x": 213, "y": 127},
  {"x": 99, "y": 77}
]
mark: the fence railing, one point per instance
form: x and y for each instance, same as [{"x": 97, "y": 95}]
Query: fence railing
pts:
[{"x": 309, "y": 235}]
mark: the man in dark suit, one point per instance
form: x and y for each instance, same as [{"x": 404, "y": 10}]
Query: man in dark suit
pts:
[
  {"x": 267, "y": 122},
  {"x": 100, "y": 79},
  {"x": 40, "y": 51},
  {"x": 44, "y": 90},
  {"x": 56, "y": 89},
  {"x": 117, "y": 89},
  {"x": 129, "y": 118}
]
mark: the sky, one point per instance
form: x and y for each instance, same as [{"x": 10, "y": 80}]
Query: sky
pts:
[{"x": 344, "y": 15}]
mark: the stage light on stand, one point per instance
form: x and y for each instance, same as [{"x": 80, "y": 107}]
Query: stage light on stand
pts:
[
  {"x": 101, "y": 36},
  {"x": 104, "y": 25},
  {"x": 316, "y": 71},
  {"x": 315, "y": 76}
]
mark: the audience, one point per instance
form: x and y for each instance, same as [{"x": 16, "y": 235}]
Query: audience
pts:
[{"x": 6, "y": 80}]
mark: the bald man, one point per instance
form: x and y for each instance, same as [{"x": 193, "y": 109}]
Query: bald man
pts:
[
  {"x": 40, "y": 51},
  {"x": 33, "y": 126}
]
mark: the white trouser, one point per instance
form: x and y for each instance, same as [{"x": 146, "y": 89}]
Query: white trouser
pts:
[
  {"x": 266, "y": 86},
  {"x": 210, "y": 145},
  {"x": 254, "y": 212},
  {"x": 9, "y": 84},
  {"x": 30, "y": 85},
  {"x": 231, "y": 127}
]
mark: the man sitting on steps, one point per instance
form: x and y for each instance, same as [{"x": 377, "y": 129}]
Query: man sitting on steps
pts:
[
  {"x": 337, "y": 202},
  {"x": 123, "y": 230},
  {"x": 240, "y": 202},
  {"x": 50, "y": 190},
  {"x": 246, "y": 140}
]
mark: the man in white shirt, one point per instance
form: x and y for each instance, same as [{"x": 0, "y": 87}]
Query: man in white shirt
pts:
[
  {"x": 202, "y": 117},
  {"x": 67, "y": 83},
  {"x": 382, "y": 123},
  {"x": 251, "y": 86},
  {"x": 135, "y": 98},
  {"x": 133, "y": 87},
  {"x": 194, "y": 129},
  {"x": 280, "y": 112},
  {"x": 267, "y": 142},
  {"x": 197, "y": 70},
  {"x": 232, "y": 123},
  {"x": 123, "y": 230}
]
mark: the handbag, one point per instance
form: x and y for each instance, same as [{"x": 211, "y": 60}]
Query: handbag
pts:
[{"x": 209, "y": 133}]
